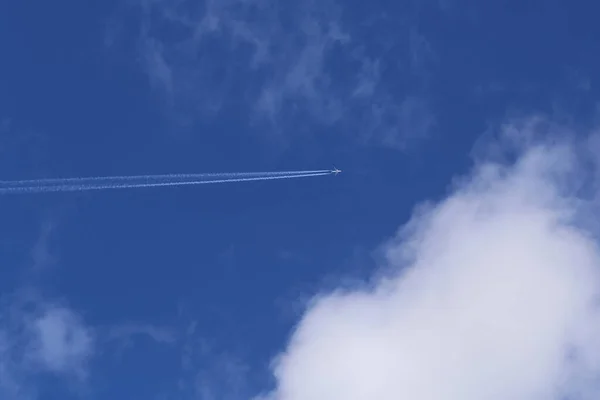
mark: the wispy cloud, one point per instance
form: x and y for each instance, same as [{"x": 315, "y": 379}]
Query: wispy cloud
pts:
[
  {"x": 42, "y": 255},
  {"x": 60, "y": 341},
  {"x": 157, "y": 333},
  {"x": 490, "y": 293},
  {"x": 41, "y": 336},
  {"x": 287, "y": 63},
  {"x": 38, "y": 338}
]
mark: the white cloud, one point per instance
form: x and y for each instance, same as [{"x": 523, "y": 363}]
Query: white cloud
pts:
[
  {"x": 38, "y": 338},
  {"x": 489, "y": 294},
  {"x": 60, "y": 342}
]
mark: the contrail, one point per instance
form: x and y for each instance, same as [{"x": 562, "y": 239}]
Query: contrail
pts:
[
  {"x": 145, "y": 181},
  {"x": 165, "y": 177}
]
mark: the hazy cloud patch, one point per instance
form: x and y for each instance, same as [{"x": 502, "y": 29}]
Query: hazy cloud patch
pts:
[
  {"x": 280, "y": 63},
  {"x": 40, "y": 337}
]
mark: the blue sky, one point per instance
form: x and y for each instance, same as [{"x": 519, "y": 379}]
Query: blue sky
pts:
[{"x": 466, "y": 132}]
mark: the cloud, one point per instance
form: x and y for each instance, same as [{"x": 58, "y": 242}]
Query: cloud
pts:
[
  {"x": 38, "y": 338},
  {"x": 60, "y": 342},
  {"x": 42, "y": 256},
  {"x": 490, "y": 293},
  {"x": 156, "y": 333},
  {"x": 284, "y": 64},
  {"x": 224, "y": 379}
]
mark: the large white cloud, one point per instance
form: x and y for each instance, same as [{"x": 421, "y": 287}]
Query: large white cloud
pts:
[{"x": 488, "y": 294}]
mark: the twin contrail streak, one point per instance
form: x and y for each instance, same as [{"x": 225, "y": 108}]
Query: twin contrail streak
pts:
[{"x": 145, "y": 181}]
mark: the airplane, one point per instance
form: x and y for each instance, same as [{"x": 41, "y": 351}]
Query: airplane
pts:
[{"x": 336, "y": 171}]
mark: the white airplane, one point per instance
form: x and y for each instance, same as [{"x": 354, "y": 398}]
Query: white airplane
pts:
[{"x": 336, "y": 171}]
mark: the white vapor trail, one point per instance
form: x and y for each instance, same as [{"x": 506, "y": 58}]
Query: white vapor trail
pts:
[
  {"x": 166, "y": 177},
  {"x": 145, "y": 181}
]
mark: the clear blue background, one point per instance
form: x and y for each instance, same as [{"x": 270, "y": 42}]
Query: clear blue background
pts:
[{"x": 225, "y": 269}]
